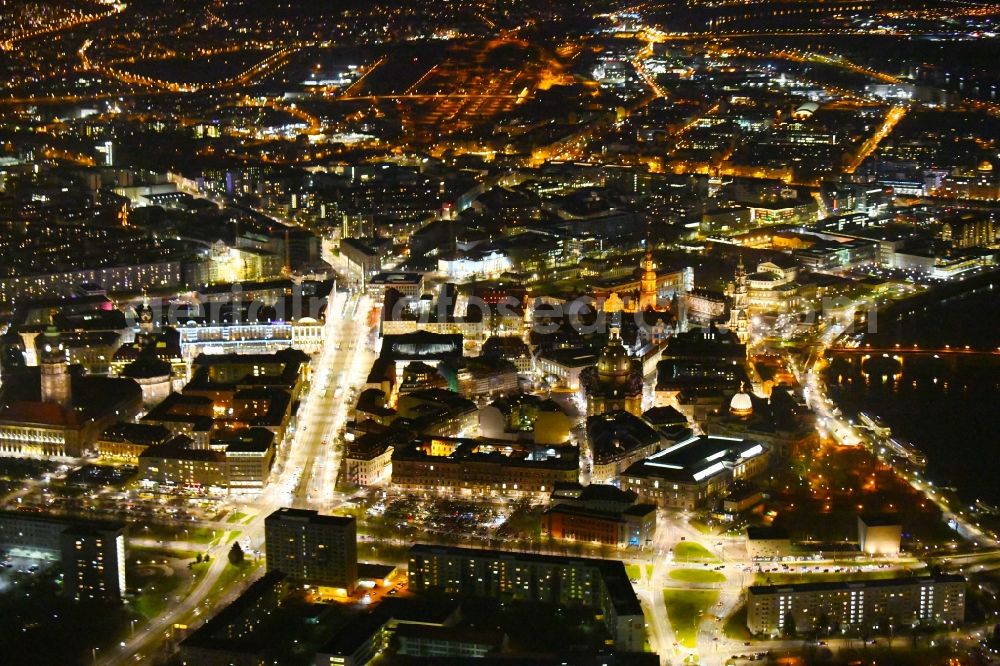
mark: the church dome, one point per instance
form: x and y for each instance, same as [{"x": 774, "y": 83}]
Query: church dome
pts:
[
  {"x": 614, "y": 360},
  {"x": 741, "y": 404}
]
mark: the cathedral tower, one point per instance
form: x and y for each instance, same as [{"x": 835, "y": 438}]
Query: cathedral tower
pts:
[{"x": 739, "y": 315}]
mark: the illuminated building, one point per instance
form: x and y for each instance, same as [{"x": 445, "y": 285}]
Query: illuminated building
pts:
[
  {"x": 236, "y": 460},
  {"x": 123, "y": 442},
  {"x": 780, "y": 422},
  {"x": 601, "y": 585},
  {"x": 879, "y": 535},
  {"x": 368, "y": 254},
  {"x": 739, "y": 312},
  {"x": 971, "y": 230},
  {"x": 705, "y": 306},
  {"x": 482, "y": 467},
  {"x": 857, "y": 605},
  {"x": 407, "y": 284},
  {"x": 476, "y": 262},
  {"x": 525, "y": 416},
  {"x": 92, "y": 553},
  {"x": 227, "y": 637},
  {"x": 50, "y": 411},
  {"x": 615, "y": 383},
  {"x": 54, "y": 367},
  {"x": 648, "y": 289},
  {"x": 121, "y": 278},
  {"x": 688, "y": 474},
  {"x": 741, "y": 406},
  {"x": 618, "y": 439},
  {"x": 313, "y": 549},
  {"x": 368, "y": 459},
  {"x": 566, "y": 365},
  {"x": 602, "y": 514}
]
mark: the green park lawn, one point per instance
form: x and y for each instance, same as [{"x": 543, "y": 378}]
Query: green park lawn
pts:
[
  {"x": 162, "y": 532},
  {"x": 697, "y": 576},
  {"x": 157, "y": 587},
  {"x": 689, "y": 551},
  {"x": 686, "y": 609}
]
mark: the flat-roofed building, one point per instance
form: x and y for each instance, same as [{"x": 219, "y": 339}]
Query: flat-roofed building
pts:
[
  {"x": 92, "y": 553},
  {"x": 879, "y": 535},
  {"x": 407, "y": 284},
  {"x": 687, "y": 474},
  {"x": 854, "y": 605},
  {"x": 634, "y": 527},
  {"x": 230, "y": 637},
  {"x": 566, "y": 365},
  {"x": 601, "y": 585},
  {"x": 313, "y": 549}
]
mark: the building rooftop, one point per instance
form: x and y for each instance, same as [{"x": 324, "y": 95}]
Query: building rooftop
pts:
[
  {"x": 308, "y": 516},
  {"x": 612, "y": 571},
  {"x": 830, "y": 586},
  {"x": 696, "y": 459}
]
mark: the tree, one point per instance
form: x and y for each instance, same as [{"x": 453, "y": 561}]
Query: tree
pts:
[
  {"x": 788, "y": 627},
  {"x": 236, "y": 554}
]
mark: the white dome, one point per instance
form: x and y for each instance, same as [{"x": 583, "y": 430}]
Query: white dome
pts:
[{"x": 741, "y": 404}]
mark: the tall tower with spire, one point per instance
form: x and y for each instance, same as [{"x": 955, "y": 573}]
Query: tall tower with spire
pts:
[
  {"x": 647, "y": 283},
  {"x": 145, "y": 313},
  {"x": 54, "y": 366},
  {"x": 648, "y": 288},
  {"x": 739, "y": 314}
]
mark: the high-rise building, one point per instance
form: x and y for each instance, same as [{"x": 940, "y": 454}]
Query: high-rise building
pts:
[
  {"x": 92, "y": 552},
  {"x": 93, "y": 557},
  {"x": 313, "y": 549}
]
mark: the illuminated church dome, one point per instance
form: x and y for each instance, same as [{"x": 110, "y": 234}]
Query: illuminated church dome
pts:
[
  {"x": 615, "y": 382},
  {"x": 741, "y": 405},
  {"x": 614, "y": 362},
  {"x": 985, "y": 166}
]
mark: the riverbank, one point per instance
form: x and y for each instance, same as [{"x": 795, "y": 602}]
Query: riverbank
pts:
[
  {"x": 941, "y": 405},
  {"x": 893, "y": 319}
]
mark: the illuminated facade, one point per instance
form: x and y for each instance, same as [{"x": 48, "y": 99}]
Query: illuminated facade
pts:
[
  {"x": 857, "y": 605},
  {"x": 689, "y": 473},
  {"x": 313, "y": 549},
  {"x": 739, "y": 313},
  {"x": 92, "y": 553},
  {"x": 602, "y": 585}
]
